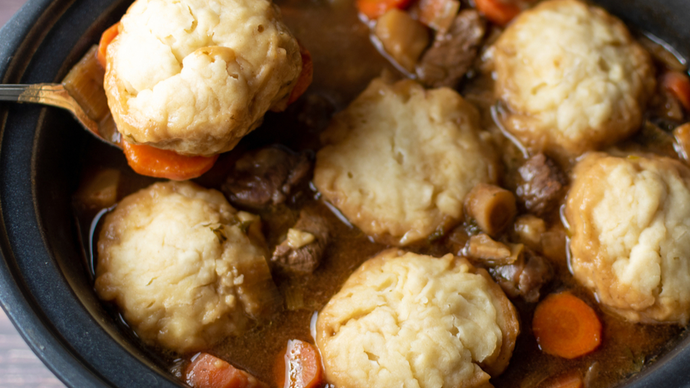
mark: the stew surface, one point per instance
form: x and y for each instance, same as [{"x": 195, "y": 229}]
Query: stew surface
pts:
[{"x": 345, "y": 61}]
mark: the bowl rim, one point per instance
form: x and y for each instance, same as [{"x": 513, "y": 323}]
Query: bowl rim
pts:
[
  {"x": 58, "y": 327},
  {"x": 16, "y": 37}
]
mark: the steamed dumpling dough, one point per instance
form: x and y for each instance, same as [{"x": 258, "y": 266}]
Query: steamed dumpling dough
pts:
[
  {"x": 408, "y": 320},
  {"x": 630, "y": 225},
  {"x": 183, "y": 266},
  {"x": 195, "y": 76},
  {"x": 572, "y": 78},
  {"x": 400, "y": 159}
]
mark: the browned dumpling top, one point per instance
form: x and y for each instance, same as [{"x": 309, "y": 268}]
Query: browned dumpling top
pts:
[
  {"x": 409, "y": 320},
  {"x": 572, "y": 78},
  {"x": 630, "y": 223},
  {"x": 195, "y": 76},
  {"x": 400, "y": 159},
  {"x": 185, "y": 268}
]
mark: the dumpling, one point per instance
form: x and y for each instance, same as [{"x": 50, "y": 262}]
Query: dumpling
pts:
[
  {"x": 184, "y": 267},
  {"x": 399, "y": 160},
  {"x": 195, "y": 76},
  {"x": 571, "y": 77},
  {"x": 629, "y": 221},
  {"x": 408, "y": 320}
]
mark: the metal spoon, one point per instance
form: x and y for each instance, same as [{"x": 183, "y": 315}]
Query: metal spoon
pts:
[{"x": 57, "y": 95}]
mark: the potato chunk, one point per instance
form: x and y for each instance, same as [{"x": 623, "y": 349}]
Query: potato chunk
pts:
[{"x": 402, "y": 37}]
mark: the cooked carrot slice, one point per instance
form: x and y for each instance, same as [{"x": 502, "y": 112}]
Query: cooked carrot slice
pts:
[
  {"x": 106, "y": 39},
  {"x": 565, "y": 326},
  {"x": 373, "y": 9},
  {"x": 207, "y": 371},
  {"x": 500, "y": 12},
  {"x": 305, "y": 77},
  {"x": 155, "y": 162},
  {"x": 298, "y": 366},
  {"x": 678, "y": 84}
]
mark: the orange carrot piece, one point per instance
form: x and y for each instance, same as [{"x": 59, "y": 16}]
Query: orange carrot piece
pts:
[
  {"x": 155, "y": 162},
  {"x": 305, "y": 77},
  {"x": 298, "y": 366},
  {"x": 565, "y": 326},
  {"x": 207, "y": 371},
  {"x": 373, "y": 9},
  {"x": 500, "y": 12},
  {"x": 106, "y": 39},
  {"x": 678, "y": 84}
]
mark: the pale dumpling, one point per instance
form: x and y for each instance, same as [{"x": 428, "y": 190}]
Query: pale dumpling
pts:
[
  {"x": 629, "y": 221},
  {"x": 571, "y": 77},
  {"x": 184, "y": 267},
  {"x": 400, "y": 159},
  {"x": 409, "y": 320}
]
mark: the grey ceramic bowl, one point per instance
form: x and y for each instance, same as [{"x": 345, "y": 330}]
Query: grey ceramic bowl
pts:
[{"x": 45, "y": 287}]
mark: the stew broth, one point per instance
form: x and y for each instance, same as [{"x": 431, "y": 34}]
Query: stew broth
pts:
[{"x": 345, "y": 61}]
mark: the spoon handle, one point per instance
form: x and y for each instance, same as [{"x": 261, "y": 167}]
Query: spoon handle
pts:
[
  {"x": 48, "y": 94},
  {"x": 12, "y": 92}
]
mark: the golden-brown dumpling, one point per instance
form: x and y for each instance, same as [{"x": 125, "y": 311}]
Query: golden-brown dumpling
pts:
[
  {"x": 409, "y": 320},
  {"x": 399, "y": 160},
  {"x": 572, "y": 78},
  {"x": 630, "y": 225},
  {"x": 195, "y": 76},
  {"x": 183, "y": 266}
]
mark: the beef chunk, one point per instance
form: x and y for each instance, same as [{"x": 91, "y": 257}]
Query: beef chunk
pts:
[
  {"x": 541, "y": 185},
  {"x": 481, "y": 248},
  {"x": 524, "y": 278},
  {"x": 453, "y": 52},
  {"x": 265, "y": 177},
  {"x": 303, "y": 249}
]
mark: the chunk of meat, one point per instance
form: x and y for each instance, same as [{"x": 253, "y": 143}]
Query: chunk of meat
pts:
[
  {"x": 453, "y": 52},
  {"x": 481, "y": 248},
  {"x": 524, "y": 278},
  {"x": 541, "y": 184},
  {"x": 265, "y": 177},
  {"x": 299, "y": 254}
]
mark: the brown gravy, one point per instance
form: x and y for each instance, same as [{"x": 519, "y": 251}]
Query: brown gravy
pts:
[{"x": 345, "y": 61}]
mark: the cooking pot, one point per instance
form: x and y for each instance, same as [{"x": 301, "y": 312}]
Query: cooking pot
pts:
[{"x": 45, "y": 278}]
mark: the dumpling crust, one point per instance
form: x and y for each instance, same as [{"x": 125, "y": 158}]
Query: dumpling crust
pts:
[
  {"x": 408, "y": 320},
  {"x": 400, "y": 159},
  {"x": 179, "y": 262},
  {"x": 195, "y": 76},
  {"x": 630, "y": 225},
  {"x": 572, "y": 77}
]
